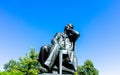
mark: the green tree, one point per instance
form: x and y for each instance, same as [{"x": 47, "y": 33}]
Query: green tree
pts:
[
  {"x": 87, "y": 69},
  {"x": 28, "y": 65},
  {"x": 13, "y": 72}
]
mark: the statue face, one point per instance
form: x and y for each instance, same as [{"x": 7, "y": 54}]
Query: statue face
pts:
[{"x": 67, "y": 32}]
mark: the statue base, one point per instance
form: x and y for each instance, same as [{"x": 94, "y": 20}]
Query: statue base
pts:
[
  {"x": 65, "y": 71},
  {"x": 54, "y": 74}
]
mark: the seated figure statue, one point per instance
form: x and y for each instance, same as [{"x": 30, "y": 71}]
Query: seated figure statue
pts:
[{"x": 49, "y": 54}]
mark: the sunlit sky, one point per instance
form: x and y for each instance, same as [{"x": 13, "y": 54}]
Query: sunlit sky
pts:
[{"x": 26, "y": 24}]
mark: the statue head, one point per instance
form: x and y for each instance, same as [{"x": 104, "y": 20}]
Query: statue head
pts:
[{"x": 68, "y": 27}]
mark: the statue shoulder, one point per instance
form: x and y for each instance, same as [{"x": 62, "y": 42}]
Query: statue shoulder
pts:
[{"x": 58, "y": 34}]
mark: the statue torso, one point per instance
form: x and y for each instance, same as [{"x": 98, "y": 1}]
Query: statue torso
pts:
[{"x": 65, "y": 42}]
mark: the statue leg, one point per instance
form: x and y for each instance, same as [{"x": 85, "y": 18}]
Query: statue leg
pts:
[
  {"x": 43, "y": 55},
  {"x": 75, "y": 63},
  {"x": 57, "y": 63},
  {"x": 67, "y": 63},
  {"x": 52, "y": 56}
]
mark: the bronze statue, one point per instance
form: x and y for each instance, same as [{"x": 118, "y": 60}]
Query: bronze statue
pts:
[{"x": 49, "y": 54}]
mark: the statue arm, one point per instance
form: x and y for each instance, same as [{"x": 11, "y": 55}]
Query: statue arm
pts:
[
  {"x": 55, "y": 39},
  {"x": 75, "y": 34}
]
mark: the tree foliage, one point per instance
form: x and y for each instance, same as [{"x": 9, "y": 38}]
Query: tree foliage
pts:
[
  {"x": 87, "y": 69},
  {"x": 13, "y": 72},
  {"x": 28, "y": 65}
]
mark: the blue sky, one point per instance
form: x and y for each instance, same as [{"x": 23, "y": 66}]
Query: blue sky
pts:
[{"x": 27, "y": 23}]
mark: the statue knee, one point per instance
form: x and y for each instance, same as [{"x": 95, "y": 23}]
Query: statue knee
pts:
[
  {"x": 43, "y": 48},
  {"x": 44, "y": 52},
  {"x": 42, "y": 55}
]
